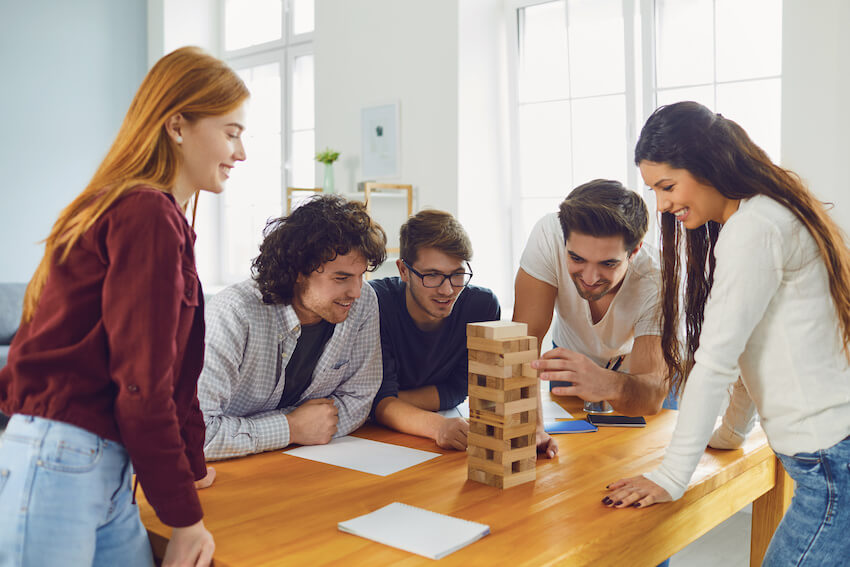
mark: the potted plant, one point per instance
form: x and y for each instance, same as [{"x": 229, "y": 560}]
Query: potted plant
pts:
[{"x": 328, "y": 157}]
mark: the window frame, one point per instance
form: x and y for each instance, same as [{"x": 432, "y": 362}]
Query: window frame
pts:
[
  {"x": 283, "y": 52},
  {"x": 641, "y": 93}
]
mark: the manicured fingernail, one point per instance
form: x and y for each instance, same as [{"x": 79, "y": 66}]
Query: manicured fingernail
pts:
[
  {"x": 606, "y": 500},
  {"x": 618, "y": 502},
  {"x": 636, "y": 505},
  {"x": 607, "y": 486}
]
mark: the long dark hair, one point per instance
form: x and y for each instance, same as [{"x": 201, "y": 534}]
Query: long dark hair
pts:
[
  {"x": 718, "y": 152},
  {"x": 316, "y": 232}
]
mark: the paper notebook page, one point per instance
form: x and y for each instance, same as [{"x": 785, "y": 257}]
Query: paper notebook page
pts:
[
  {"x": 552, "y": 411},
  {"x": 415, "y": 530},
  {"x": 363, "y": 455}
]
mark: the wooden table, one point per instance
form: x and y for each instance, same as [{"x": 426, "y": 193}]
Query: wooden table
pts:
[{"x": 274, "y": 509}]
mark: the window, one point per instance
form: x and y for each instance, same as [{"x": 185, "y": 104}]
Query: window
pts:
[
  {"x": 587, "y": 73},
  {"x": 269, "y": 43},
  {"x": 571, "y": 103}
]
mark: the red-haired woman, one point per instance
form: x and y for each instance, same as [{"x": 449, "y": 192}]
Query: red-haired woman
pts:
[
  {"x": 767, "y": 311},
  {"x": 101, "y": 377}
]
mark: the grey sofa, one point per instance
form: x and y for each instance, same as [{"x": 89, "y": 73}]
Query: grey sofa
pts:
[{"x": 11, "y": 307}]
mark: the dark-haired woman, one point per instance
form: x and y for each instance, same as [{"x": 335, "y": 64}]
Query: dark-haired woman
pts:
[{"x": 767, "y": 306}]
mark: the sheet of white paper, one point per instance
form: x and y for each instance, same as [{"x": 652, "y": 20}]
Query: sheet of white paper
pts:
[
  {"x": 416, "y": 530},
  {"x": 363, "y": 455},
  {"x": 553, "y": 412},
  {"x": 461, "y": 410},
  {"x": 451, "y": 412}
]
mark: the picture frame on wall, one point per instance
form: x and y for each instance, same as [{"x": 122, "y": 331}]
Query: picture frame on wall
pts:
[{"x": 380, "y": 137}]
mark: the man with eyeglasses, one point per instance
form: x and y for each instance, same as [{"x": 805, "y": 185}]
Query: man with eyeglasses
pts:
[{"x": 424, "y": 312}]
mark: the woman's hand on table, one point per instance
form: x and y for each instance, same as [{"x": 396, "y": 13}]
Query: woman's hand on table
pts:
[
  {"x": 207, "y": 480},
  {"x": 637, "y": 492},
  {"x": 192, "y": 546}
]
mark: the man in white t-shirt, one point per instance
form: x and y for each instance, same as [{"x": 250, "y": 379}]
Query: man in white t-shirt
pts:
[{"x": 587, "y": 263}]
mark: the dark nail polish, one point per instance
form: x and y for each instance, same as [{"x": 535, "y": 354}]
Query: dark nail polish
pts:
[
  {"x": 618, "y": 502},
  {"x": 636, "y": 505},
  {"x": 606, "y": 500},
  {"x": 607, "y": 486}
]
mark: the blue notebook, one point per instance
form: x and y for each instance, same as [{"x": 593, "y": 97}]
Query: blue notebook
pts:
[{"x": 574, "y": 426}]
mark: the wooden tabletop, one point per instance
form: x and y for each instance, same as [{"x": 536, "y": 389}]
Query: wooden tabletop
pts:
[{"x": 275, "y": 509}]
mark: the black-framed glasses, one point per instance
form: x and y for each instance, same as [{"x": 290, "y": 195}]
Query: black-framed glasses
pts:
[{"x": 457, "y": 279}]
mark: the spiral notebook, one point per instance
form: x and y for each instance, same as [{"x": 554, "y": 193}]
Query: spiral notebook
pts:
[{"x": 415, "y": 530}]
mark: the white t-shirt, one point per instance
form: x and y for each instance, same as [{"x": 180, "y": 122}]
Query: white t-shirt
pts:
[
  {"x": 634, "y": 311},
  {"x": 769, "y": 319}
]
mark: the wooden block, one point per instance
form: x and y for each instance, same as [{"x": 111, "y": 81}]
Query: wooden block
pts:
[
  {"x": 487, "y": 442},
  {"x": 504, "y": 408},
  {"x": 488, "y": 466},
  {"x": 501, "y": 481},
  {"x": 487, "y": 394},
  {"x": 504, "y": 458},
  {"x": 528, "y": 371},
  {"x": 490, "y": 442},
  {"x": 518, "y": 478},
  {"x": 501, "y": 346},
  {"x": 497, "y": 329},
  {"x": 480, "y": 476},
  {"x": 502, "y": 432},
  {"x": 513, "y": 420},
  {"x": 527, "y": 464},
  {"x": 497, "y": 383},
  {"x": 502, "y": 359},
  {"x": 497, "y": 371},
  {"x": 494, "y": 394}
]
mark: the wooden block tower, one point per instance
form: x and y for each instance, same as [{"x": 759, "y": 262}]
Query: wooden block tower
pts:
[{"x": 503, "y": 391}]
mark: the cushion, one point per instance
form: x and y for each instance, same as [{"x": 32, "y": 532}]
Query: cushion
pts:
[{"x": 11, "y": 307}]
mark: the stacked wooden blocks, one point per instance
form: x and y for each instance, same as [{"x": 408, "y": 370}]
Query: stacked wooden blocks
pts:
[{"x": 503, "y": 391}]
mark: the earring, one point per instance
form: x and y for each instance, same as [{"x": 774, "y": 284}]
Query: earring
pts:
[{"x": 179, "y": 139}]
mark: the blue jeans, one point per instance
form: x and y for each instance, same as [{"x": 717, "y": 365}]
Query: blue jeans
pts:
[
  {"x": 66, "y": 498},
  {"x": 816, "y": 527}
]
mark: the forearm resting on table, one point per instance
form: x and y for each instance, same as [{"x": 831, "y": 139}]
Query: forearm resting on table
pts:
[
  {"x": 426, "y": 397},
  {"x": 639, "y": 394},
  {"x": 407, "y": 418}
]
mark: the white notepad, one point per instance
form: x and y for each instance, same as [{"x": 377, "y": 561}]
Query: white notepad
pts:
[
  {"x": 363, "y": 455},
  {"x": 415, "y": 530}
]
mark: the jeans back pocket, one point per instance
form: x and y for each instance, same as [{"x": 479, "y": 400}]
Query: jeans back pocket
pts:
[{"x": 72, "y": 456}]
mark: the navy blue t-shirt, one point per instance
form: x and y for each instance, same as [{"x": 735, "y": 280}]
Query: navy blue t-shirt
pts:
[{"x": 414, "y": 358}]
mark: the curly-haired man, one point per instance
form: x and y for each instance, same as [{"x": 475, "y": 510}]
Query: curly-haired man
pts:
[{"x": 293, "y": 354}]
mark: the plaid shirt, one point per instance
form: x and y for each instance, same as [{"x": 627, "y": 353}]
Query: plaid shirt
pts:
[{"x": 248, "y": 347}]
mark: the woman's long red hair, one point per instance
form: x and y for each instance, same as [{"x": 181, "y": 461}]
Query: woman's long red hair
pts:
[{"x": 187, "y": 81}]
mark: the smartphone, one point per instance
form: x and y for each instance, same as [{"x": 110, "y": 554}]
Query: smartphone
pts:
[{"x": 616, "y": 421}]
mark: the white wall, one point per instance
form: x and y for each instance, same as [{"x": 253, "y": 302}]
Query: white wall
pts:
[
  {"x": 816, "y": 99},
  {"x": 70, "y": 70},
  {"x": 370, "y": 52},
  {"x": 484, "y": 165}
]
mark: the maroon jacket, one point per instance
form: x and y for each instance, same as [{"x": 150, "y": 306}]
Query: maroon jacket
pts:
[{"x": 116, "y": 346}]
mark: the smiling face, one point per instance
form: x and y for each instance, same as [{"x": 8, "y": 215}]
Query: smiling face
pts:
[
  {"x": 692, "y": 202},
  {"x": 209, "y": 149},
  {"x": 329, "y": 292},
  {"x": 428, "y": 306},
  {"x": 597, "y": 265}
]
